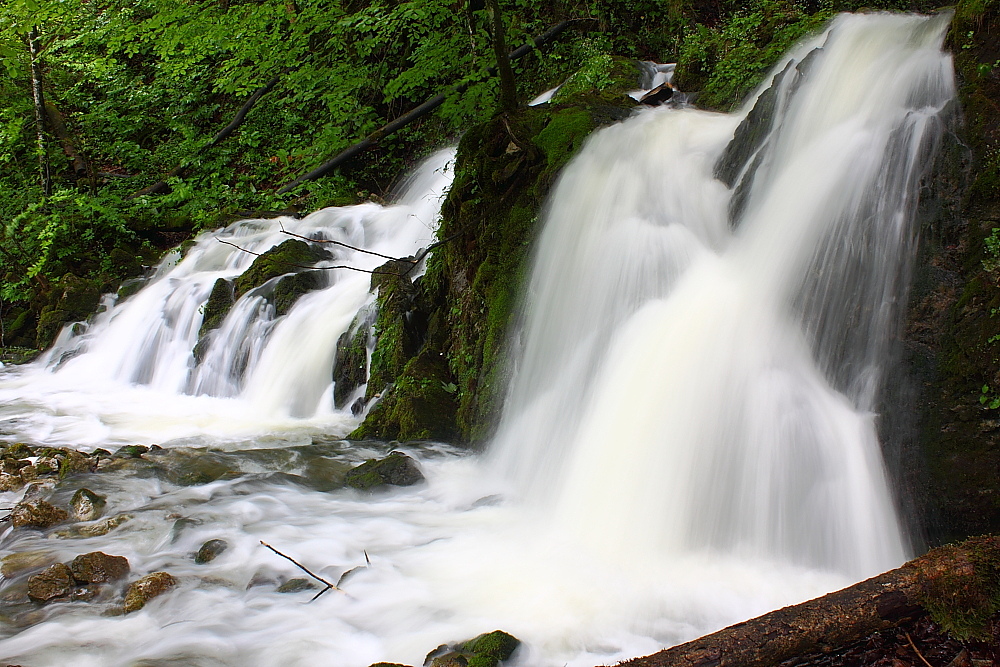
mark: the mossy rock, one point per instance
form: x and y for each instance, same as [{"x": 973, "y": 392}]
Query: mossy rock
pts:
[
  {"x": 397, "y": 469},
  {"x": 291, "y": 256},
  {"x": 288, "y": 290},
  {"x": 350, "y": 367},
  {"x": 220, "y": 300}
]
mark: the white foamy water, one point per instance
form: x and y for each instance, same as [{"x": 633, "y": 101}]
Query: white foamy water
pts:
[{"x": 689, "y": 440}]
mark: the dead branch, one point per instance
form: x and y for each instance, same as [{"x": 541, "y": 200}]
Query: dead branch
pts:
[
  {"x": 375, "y": 137},
  {"x": 306, "y": 570},
  {"x": 341, "y": 244}
]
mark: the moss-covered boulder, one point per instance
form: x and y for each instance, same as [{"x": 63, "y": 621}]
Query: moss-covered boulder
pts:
[
  {"x": 288, "y": 290},
  {"x": 210, "y": 550},
  {"x": 397, "y": 469},
  {"x": 71, "y": 299},
  {"x": 220, "y": 300},
  {"x": 486, "y": 650},
  {"x": 350, "y": 367},
  {"x": 291, "y": 256},
  {"x": 451, "y": 386}
]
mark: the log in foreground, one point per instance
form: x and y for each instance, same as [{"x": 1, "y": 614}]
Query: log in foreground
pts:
[{"x": 958, "y": 585}]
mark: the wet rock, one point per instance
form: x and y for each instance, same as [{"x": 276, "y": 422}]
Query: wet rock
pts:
[
  {"x": 491, "y": 648},
  {"x": 288, "y": 290},
  {"x": 199, "y": 469},
  {"x": 56, "y": 581},
  {"x": 387, "y": 664},
  {"x": 210, "y": 550},
  {"x": 87, "y": 505},
  {"x": 296, "y": 585},
  {"x": 75, "y": 462},
  {"x": 38, "y": 491},
  {"x": 142, "y": 591},
  {"x": 219, "y": 302},
  {"x": 84, "y": 593},
  {"x": 37, "y": 514},
  {"x": 16, "y": 563},
  {"x": 10, "y": 481},
  {"x": 397, "y": 469},
  {"x": 291, "y": 256},
  {"x": 102, "y": 527},
  {"x": 29, "y": 473},
  {"x": 350, "y": 367},
  {"x": 47, "y": 465},
  {"x": 98, "y": 567},
  {"x": 19, "y": 450},
  {"x": 131, "y": 452}
]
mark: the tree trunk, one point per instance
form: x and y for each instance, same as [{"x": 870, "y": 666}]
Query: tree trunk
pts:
[
  {"x": 58, "y": 125},
  {"x": 958, "y": 585},
  {"x": 508, "y": 88},
  {"x": 39, "y": 97}
]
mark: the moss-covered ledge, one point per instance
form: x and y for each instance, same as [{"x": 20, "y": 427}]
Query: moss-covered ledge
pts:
[{"x": 451, "y": 387}]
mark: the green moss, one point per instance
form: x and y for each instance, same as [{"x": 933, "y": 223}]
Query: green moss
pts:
[
  {"x": 220, "y": 300},
  {"x": 290, "y": 288},
  {"x": 497, "y": 645},
  {"x": 563, "y": 135},
  {"x": 964, "y": 599},
  {"x": 291, "y": 256}
]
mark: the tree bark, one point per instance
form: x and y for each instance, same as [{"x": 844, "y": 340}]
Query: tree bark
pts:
[
  {"x": 960, "y": 581},
  {"x": 38, "y": 94},
  {"x": 433, "y": 103},
  {"x": 508, "y": 88},
  {"x": 58, "y": 125}
]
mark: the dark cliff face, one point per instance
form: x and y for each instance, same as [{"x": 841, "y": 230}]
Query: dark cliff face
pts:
[{"x": 952, "y": 339}]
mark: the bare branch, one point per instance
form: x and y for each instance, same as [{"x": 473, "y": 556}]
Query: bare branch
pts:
[
  {"x": 341, "y": 244},
  {"x": 304, "y": 569}
]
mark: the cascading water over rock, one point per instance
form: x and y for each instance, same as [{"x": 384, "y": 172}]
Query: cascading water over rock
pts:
[
  {"x": 700, "y": 366},
  {"x": 137, "y": 361},
  {"x": 690, "y": 437}
]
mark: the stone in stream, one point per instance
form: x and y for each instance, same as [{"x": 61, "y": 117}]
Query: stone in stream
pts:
[
  {"x": 37, "y": 514},
  {"x": 486, "y": 650},
  {"x": 87, "y": 505},
  {"x": 18, "y": 450},
  {"x": 145, "y": 589},
  {"x": 10, "y": 481},
  {"x": 131, "y": 451},
  {"x": 98, "y": 567},
  {"x": 396, "y": 469},
  {"x": 210, "y": 550},
  {"x": 22, "y": 561},
  {"x": 102, "y": 527},
  {"x": 296, "y": 585},
  {"x": 56, "y": 581}
]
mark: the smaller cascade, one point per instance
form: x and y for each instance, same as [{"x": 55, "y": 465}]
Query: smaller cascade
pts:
[{"x": 203, "y": 328}]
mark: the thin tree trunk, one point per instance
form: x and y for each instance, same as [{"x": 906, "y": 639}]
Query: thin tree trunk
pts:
[
  {"x": 957, "y": 581},
  {"x": 39, "y": 97},
  {"x": 508, "y": 88}
]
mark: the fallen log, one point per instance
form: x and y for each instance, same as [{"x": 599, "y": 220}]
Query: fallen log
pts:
[
  {"x": 433, "y": 103},
  {"x": 958, "y": 585}
]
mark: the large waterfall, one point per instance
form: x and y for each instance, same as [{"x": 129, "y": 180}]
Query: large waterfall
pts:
[{"x": 690, "y": 437}]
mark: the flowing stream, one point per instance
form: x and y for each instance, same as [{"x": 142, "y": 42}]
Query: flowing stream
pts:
[{"x": 690, "y": 437}]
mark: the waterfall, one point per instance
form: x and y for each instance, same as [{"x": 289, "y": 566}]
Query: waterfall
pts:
[
  {"x": 699, "y": 364},
  {"x": 689, "y": 439},
  {"x": 132, "y": 373}
]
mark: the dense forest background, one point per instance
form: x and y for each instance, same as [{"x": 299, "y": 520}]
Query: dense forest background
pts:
[{"x": 108, "y": 109}]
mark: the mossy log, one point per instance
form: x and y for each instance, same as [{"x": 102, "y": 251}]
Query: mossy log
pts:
[{"x": 958, "y": 585}]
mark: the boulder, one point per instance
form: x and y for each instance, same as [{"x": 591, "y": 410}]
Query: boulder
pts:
[
  {"x": 397, "y": 469},
  {"x": 131, "y": 451},
  {"x": 145, "y": 589},
  {"x": 486, "y": 650},
  {"x": 291, "y": 256},
  {"x": 210, "y": 550},
  {"x": 37, "y": 514},
  {"x": 19, "y": 450},
  {"x": 56, "y": 581},
  {"x": 87, "y": 505},
  {"x": 98, "y": 567},
  {"x": 10, "y": 481}
]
